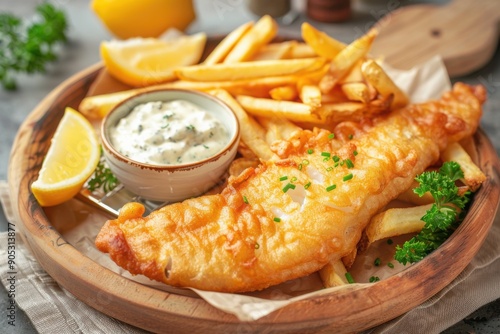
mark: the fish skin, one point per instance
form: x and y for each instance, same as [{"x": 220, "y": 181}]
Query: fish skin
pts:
[{"x": 222, "y": 243}]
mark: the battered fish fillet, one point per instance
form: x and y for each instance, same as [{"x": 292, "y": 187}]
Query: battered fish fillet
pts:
[{"x": 263, "y": 230}]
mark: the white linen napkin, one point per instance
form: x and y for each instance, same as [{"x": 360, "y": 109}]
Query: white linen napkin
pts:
[{"x": 52, "y": 309}]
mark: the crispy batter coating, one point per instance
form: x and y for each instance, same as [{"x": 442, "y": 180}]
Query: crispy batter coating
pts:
[{"x": 263, "y": 230}]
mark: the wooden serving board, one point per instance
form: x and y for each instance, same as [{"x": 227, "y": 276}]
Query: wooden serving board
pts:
[
  {"x": 347, "y": 310},
  {"x": 464, "y": 32}
]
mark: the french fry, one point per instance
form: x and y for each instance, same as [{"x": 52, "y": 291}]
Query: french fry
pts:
[
  {"x": 222, "y": 49},
  {"x": 354, "y": 111},
  {"x": 311, "y": 95},
  {"x": 396, "y": 221},
  {"x": 294, "y": 111},
  {"x": 302, "y": 50},
  {"x": 320, "y": 42},
  {"x": 249, "y": 70},
  {"x": 240, "y": 164},
  {"x": 251, "y": 132},
  {"x": 344, "y": 111},
  {"x": 261, "y": 33},
  {"x": 349, "y": 259},
  {"x": 345, "y": 60},
  {"x": 380, "y": 105},
  {"x": 410, "y": 197},
  {"x": 275, "y": 51},
  {"x": 98, "y": 106},
  {"x": 245, "y": 151},
  {"x": 470, "y": 147},
  {"x": 473, "y": 176},
  {"x": 256, "y": 87},
  {"x": 333, "y": 274},
  {"x": 286, "y": 93},
  {"x": 334, "y": 96},
  {"x": 384, "y": 85},
  {"x": 372, "y": 91},
  {"x": 354, "y": 74},
  {"x": 356, "y": 91},
  {"x": 277, "y": 128}
]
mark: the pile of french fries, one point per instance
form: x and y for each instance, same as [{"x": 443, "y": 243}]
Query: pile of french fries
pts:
[{"x": 278, "y": 88}]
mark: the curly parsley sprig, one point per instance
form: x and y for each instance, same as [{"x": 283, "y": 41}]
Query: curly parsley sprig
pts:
[
  {"x": 102, "y": 178},
  {"x": 28, "y": 48},
  {"x": 442, "y": 218}
]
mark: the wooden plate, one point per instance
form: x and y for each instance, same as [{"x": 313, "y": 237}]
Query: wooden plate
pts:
[{"x": 160, "y": 311}]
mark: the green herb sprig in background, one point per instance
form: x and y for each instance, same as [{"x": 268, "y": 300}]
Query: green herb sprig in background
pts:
[
  {"x": 442, "y": 218},
  {"x": 27, "y": 48}
]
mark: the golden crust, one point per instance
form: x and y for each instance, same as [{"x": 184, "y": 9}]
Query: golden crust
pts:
[{"x": 231, "y": 242}]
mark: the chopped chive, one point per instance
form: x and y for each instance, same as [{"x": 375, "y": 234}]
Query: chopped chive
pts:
[
  {"x": 355, "y": 153},
  {"x": 245, "y": 199},
  {"x": 310, "y": 151},
  {"x": 307, "y": 185},
  {"x": 377, "y": 262},
  {"x": 331, "y": 135},
  {"x": 374, "y": 279},
  {"x": 336, "y": 164},
  {"x": 390, "y": 265},
  {"x": 288, "y": 186},
  {"x": 349, "y": 278},
  {"x": 277, "y": 219},
  {"x": 257, "y": 246},
  {"x": 293, "y": 179},
  {"x": 283, "y": 178},
  {"x": 325, "y": 154},
  {"x": 336, "y": 158},
  {"x": 347, "y": 177},
  {"x": 350, "y": 136},
  {"x": 300, "y": 167},
  {"x": 330, "y": 188},
  {"x": 349, "y": 163},
  {"x": 329, "y": 169},
  {"x": 305, "y": 162}
]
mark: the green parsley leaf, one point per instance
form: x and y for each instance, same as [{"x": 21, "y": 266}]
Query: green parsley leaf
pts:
[
  {"x": 28, "y": 46},
  {"x": 442, "y": 218},
  {"x": 102, "y": 178}
]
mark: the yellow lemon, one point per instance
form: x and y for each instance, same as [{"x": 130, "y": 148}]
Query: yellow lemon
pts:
[
  {"x": 143, "y": 18},
  {"x": 147, "y": 61},
  {"x": 72, "y": 157}
]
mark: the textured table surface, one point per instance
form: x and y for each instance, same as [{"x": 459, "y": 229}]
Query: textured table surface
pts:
[{"x": 214, "y": 17}]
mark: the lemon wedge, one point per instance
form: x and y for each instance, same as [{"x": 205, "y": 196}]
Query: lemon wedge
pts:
[
  {"x": 142, "y": 62},
  {"x": 144, "y": 18},
  {"x": 72, "y": 157}
]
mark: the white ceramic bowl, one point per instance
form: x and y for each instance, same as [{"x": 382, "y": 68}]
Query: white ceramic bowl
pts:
[{"x": 171, "y": 183}]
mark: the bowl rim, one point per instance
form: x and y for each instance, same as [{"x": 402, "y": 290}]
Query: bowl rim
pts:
[{"x": 110, "y": 149}]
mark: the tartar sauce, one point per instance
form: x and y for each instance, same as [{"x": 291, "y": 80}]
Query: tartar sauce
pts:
[{"x": 168, "y": 133}]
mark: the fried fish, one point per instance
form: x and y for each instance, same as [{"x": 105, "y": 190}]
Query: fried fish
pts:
[{"x": 287, "y": 218}]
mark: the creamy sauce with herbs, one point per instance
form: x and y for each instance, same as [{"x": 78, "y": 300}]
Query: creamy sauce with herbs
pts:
[{"x": 169, "y": 133}]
